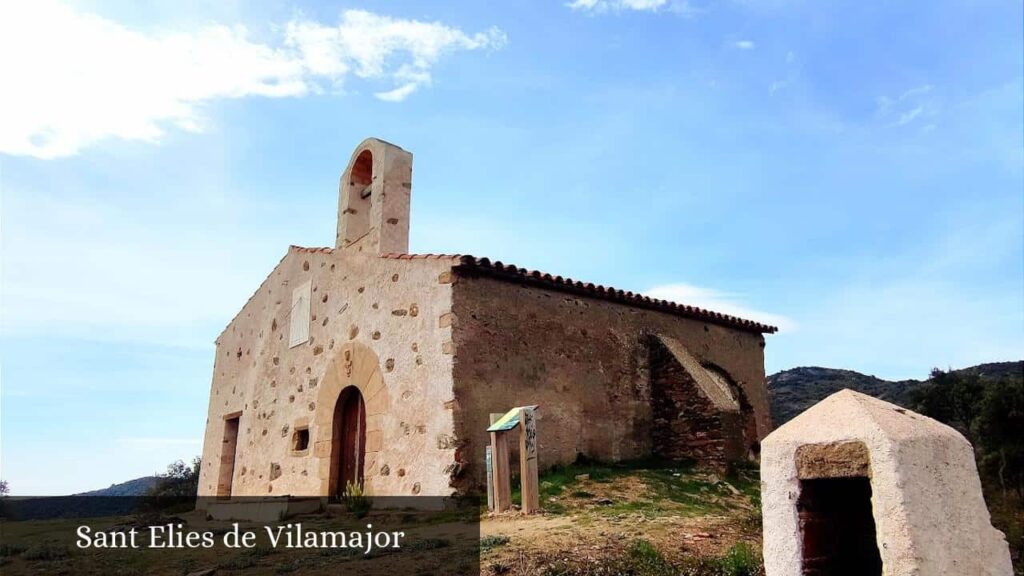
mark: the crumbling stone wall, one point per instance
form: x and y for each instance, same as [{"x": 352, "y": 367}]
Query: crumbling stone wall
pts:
[
  {"x": 583, "y": 360},
  {"x": 685, "y": 424},
  {"x": 390, "y": 307}
]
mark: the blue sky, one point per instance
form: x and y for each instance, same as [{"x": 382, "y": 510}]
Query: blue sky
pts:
[{"x": 850, "y": 171}]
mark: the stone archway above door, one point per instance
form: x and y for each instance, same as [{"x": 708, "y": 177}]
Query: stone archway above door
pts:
[{"x": 352, "y": 365}]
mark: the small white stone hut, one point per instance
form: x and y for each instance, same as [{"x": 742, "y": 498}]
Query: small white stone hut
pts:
[{"x": 855, "y": 485}]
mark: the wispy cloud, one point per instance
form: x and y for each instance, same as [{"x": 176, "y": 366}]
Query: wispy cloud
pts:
[
  {"x": 618, "y": 5},
  {"x": 910, "y": 105},
  {"x": 909, "y": 116},
  {"x": 79, "y": 78},
  {"x": 718, "y": 301},
  {"x": 745, "y": 44}
]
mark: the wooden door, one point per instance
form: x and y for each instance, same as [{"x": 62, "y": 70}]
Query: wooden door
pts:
[{"x": 349, "y": 438}]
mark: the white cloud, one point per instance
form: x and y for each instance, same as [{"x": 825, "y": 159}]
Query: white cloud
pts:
[
  {"x": 615, "y": 5},
  {"x": 723, "y": 302},
  {"x": 398, "y": 94},
  {"x": 909, "y": 116},
  {"x": 745, "y": 44},
  {"x": 909, "y": 106},
  {"x": 78, "y": 78}
]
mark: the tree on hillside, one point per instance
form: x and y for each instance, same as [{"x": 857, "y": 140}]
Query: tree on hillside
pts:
[
  {"x": 180, "y": 480},
  {"x": 990, "y": 413},
  {"x": 5, "y": 489},
  {"x": 999, "y": 430},
  {"x": 950, "y": 397}
]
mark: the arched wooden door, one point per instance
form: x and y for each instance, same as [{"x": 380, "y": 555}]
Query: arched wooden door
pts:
[{"x": 349, "y": 439}]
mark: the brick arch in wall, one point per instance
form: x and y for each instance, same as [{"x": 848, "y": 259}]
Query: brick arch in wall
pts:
[
  {"x": 353, "y": 366},
  {"x": 696, "y": 413},
  {"x": 748, "y": 420}
]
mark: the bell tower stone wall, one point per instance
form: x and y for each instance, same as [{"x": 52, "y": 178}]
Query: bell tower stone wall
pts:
[{"x": 373, "y": 199}]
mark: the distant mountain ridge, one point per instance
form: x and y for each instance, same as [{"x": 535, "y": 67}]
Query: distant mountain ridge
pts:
[
  {"x": 137, "y": 487},
  {"x": 792, "y": 391}
]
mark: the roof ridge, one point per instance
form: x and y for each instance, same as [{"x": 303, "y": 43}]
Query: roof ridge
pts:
[
  {"x": 312, "y": 249},
  {"x": 428, "y": 256},
  {"x": 500, "y": 269},
  {"x": 508, "y": 270}
]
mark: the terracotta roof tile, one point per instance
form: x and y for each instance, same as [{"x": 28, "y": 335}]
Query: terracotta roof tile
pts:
[
  {"x": 510, "y": 272},
  {"x": 323, "y": 250},
  {"x": 498, "y": 270},
  {"x": 396, "y": 256}
]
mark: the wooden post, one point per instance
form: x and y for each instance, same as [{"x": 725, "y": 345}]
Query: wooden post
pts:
[
  {"x": 489, "y": 467},
  {"x": 529, "y": 479},
  {"x": 502, "y": 474}
]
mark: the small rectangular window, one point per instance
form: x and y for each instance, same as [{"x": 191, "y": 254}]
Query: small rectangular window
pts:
[{"x": 300, "y": 439}]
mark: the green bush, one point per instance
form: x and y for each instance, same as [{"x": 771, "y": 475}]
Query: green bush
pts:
[
  {"x": 741, "y": 560},
  {"x": 488, "y": 542},
  {"x": 10, "y": 550},
  {"x": 355, "y": 501},
  {"x": 643, "y": 559},
  {"x": 46, "y": 552}
]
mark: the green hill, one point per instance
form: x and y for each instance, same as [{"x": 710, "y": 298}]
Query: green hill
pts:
[{"x": 795, "y": 390}]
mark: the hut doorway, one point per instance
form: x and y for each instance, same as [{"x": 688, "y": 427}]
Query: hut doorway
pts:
[{"x": 837, "y": 528}]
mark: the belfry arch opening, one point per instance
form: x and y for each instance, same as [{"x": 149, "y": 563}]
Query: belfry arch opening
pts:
[
  {"x": 359, "y": 198},
  {"x": 348, "y": 441}
]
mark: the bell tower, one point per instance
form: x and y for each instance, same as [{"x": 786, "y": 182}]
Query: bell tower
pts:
[{"x": 373, "y": 199}]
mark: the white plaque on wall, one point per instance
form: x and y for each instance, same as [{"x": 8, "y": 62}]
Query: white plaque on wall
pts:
[{"x": 299, "y": 325}]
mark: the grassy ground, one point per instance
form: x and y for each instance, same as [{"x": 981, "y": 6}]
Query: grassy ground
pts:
[
  {"x": 48, "y": 547},
  {"x": 641, "y": 518}
]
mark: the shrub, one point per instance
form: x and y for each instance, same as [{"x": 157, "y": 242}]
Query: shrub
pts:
[
  {"x": 46, "y": 552},
  {"x": 488, "y": 542},
  {"x": 10, "y": 550},
  {"x": 741, "y": 560},
  {"x": 642, "y": 558},
  {"x": 355, "y": 501}
]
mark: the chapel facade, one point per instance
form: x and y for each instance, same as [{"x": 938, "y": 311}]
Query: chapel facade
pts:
[{"x": 366, "y": 364}]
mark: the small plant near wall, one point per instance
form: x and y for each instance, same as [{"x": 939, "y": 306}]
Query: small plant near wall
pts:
[{"x": 355, "y": 501}]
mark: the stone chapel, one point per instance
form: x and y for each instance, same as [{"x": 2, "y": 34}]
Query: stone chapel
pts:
[{"x": 366, "y": 364}]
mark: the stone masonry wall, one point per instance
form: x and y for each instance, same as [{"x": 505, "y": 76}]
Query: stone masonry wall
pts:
[
  {"x": 685, "y": 423},
  {"x": 584, "y": 360},
  {"x": 390, "y": 308}
]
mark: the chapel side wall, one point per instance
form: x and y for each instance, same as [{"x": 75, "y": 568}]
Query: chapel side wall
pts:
[
  {"x": 391, "y": 307},
  {"x": 584, "y": 360}
]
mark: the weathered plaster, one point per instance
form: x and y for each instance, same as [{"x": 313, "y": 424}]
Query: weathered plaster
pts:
[
  {"x": 930, "y": 515},
  {"x": 386, "y": 313},
  {"x": 583, "y": 360}
]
